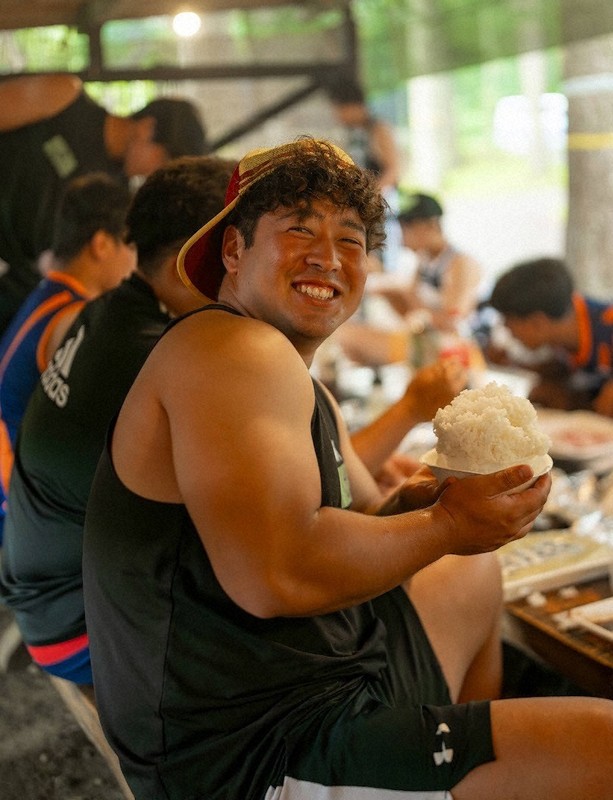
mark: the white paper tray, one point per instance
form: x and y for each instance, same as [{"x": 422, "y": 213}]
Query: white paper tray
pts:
[
  {"x": 549, "y": 560},
  {"x": 596, "y": 617}
]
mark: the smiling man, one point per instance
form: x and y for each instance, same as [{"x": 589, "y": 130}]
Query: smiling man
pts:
[{"x": 251, "y": 631}]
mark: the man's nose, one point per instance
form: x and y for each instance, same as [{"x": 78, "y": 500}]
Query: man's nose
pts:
[{"x": 323, "y": 253}]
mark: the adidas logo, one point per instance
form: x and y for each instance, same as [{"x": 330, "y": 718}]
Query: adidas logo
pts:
[{"x": 54, "y": 378}]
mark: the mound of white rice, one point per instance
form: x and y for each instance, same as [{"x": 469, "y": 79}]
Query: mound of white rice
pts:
[{"x": 487, "y": 429}]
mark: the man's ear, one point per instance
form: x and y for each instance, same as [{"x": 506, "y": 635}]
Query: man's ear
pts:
[
  {"x": 232, "y": 247},
  {"x": 101, "y": 244}
]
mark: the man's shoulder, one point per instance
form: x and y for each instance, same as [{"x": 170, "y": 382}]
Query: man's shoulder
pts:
[
  {"x": 459, "y": 256},
  {"x": 122, "y": 324},
  {"x": 132, "y": 303},
  {"x": 229, "y": 326},
  {"x": 255, "y": 339},
  {"x": 238, "y": 343},
  {"x": 34, "y": 314},
  {"x": 32, "y": 99}
]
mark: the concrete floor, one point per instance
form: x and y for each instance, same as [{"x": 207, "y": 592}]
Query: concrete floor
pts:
[{"x": 44, "y": 755}]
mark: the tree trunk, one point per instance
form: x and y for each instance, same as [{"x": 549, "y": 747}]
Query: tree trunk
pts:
[
  {"x": 431, "y": 130},
  {"x": 588, "y": 72}
]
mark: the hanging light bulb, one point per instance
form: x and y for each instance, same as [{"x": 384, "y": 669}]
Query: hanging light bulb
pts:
[{"x": 186, "y": 23}]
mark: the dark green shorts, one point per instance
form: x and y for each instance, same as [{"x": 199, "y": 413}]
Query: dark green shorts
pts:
[{"x": 400, "y": 738}]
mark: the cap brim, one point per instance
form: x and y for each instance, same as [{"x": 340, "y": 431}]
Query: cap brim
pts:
[{"x": 199, "y": 261}]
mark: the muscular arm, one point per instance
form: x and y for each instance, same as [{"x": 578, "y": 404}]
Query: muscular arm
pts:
[
  {"x": 432, "y": 387},
  {"x": 233, "y": 431},
  {"x": 366, "y": 344},
  {"x": 31, "y": 98},
  {"x": 418, "y": 491}
]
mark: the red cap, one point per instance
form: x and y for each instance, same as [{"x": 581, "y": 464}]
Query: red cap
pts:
[{"x": 199, "y": 262}]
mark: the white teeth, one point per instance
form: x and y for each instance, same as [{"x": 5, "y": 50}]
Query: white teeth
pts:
[{"x": 319, "y": 292}]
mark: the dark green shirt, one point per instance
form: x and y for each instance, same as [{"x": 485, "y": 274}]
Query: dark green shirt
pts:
[
  {"x": 197, "y": 695},
  {"x": 60, "y": 441}
]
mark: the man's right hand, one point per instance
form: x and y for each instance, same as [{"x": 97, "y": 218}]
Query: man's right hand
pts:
[{"x": 484, "y": 513}]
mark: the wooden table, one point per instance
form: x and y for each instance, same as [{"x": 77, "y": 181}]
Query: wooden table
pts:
[{"x": 579, "y": 655}]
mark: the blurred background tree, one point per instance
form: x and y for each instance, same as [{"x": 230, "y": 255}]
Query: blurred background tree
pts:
[{"x": 488, "y": 134}]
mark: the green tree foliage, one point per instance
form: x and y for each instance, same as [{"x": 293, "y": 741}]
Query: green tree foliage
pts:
[
  {"x": 57, "y": 47},
  {"x": 400, "y": 39}
]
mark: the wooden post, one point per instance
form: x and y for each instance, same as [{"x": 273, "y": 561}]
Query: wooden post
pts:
[{"x": 81, "y": 703}]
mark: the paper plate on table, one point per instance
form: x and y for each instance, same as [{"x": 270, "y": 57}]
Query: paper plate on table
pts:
[{"x": 581, "y": 436}]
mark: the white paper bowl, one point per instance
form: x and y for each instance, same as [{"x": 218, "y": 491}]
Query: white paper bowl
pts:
[{"x": 540, "y": 465}]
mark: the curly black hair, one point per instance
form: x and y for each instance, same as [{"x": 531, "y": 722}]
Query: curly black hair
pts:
[
  {"x": 313, "y": 173},
  {"x": 171, "y": 203}
]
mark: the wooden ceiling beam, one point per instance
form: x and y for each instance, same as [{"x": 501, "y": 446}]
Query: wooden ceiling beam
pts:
[{"x": 16, "y": 14}]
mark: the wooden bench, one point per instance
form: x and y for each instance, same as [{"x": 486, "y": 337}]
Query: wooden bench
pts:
[
  {"x": 81, "y": 703},
  {"x": 10, "y": 639}
]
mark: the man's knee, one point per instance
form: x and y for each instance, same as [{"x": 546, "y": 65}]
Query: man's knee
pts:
[
  {"x": 459, "y": 601},
  {"x": 461, "y": 582}
]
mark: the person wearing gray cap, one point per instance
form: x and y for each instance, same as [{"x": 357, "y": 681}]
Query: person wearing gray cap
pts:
[{"x": 50, "y": 132}]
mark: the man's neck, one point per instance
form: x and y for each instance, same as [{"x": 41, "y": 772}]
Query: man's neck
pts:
[
  {"x": 435, "y": 247},
  {"x": 116, "y": 132},
  {"x": 85, "y": 273}
]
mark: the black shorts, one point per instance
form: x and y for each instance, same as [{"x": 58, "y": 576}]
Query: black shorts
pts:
[{"x": 400, "y": 739}]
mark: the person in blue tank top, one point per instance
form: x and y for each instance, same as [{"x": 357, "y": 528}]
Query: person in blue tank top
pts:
[
  {"x": 264, "y": 625},
  {"x": 541, "y": 308},
  {"x": 90, "y": 256}
]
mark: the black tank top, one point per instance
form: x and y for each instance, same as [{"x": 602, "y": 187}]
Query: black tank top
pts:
[{"x": 181, "y": 672}]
